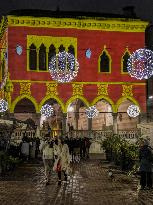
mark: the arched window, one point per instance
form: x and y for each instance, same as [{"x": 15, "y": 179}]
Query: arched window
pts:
[
  {"x": 104, "y": 62},
  {"x": 42, "y": 57},
  {"x": 71, "y": 50},
  {"x": 32, "y": 57},
  {"x": 61, "y": 48},
  {"x": 52, "y": 52},
  {"x": 125, "y": 60}
]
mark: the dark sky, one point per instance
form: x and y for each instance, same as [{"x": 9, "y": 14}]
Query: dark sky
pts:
[{"x": 143, "y": 8}]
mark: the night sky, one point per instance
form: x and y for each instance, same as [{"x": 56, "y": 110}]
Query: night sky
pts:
[{"x": 143, "y": 8}]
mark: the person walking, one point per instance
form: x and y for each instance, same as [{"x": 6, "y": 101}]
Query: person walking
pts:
[
  {"x": 46, "y": 148},
  {"x": 62, "y": 159},
  {"x": 145, "y": 157}
]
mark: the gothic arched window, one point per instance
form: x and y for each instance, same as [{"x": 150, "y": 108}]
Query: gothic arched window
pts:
[
  {"x": 52, "y": 52},
  {"x": 32, "y": 57},
  {"x": 125, "y": 60},
  {"x": 42, "y": 57},
  {"x": 61, "y": 48},
  {"x": 71, "y": 50},
  {"x": 104, "y": 62}
]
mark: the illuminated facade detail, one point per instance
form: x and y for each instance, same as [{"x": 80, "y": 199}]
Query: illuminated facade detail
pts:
[
  {"x": 94, "y": 24},
  {"x": 25, "y": 88},
  {"x": 102, "y": 89},
  {"x": 77, "y": 89},
  {"x": 104, "y": 62},
  {"x": 51, "y": 89},
  {"x": 41, "y": 49},
  {"x": 43, "y": 37},
  {"x": 127, "y": 90},
  {"x": 124, "y": 61}
]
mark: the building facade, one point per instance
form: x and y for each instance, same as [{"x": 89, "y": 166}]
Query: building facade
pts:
[{"x": 102, "y": 47}]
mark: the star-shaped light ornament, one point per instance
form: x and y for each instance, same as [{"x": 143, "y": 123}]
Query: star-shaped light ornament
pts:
[
  {"x": 133, "y": 111},
  {"x": 3, "y": 105},
  {"x": 92, "y": 111},
  {"x": 140, "y": 64},
  {"x": 63, "y": 67},
  {"x": 47, "y": 110}
]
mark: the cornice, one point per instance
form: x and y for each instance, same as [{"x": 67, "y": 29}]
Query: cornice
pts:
[
  {"x": 108, "y": 24},
  {"x": 82, "y": 83}
]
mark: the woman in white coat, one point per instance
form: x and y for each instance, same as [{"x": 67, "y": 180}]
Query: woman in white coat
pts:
[{"x": 62, "y": 159}]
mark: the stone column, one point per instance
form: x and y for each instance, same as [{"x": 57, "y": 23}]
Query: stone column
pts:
[
  {"x": 64, "y": 123},
  {"x": 115, "y": 123}
]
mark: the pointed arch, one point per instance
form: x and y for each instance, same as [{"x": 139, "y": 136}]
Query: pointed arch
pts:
[
  {"x": 104, "y": 61},
  {"x": 51, "y": 53},
  {"x": 61, "y": 48},
  {"x": 22, "y": 97},
  {"x": 124, "y": 61},
  {"x": 73, "y": 98},
  {"x": 107, "y": 99},
  {"x": 32, "y": 57},
  {"x": 42, "y": 57},
  {"x": 51, "y": 97},
  {"x": 71, "y": 50},
  {"x": 122, "y": 99}
]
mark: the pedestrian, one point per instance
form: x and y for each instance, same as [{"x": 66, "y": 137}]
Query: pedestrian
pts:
[
  {"x": 62, "y": 159},
  {"x": 25, "y": 148},
  {"x": 145, "y": 157},
  {"x": 46, "y": 148}
]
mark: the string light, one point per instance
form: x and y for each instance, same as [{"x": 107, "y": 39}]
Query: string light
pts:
[
  {"x": 3, "y": 105},
  {"x": 63, "y": 67},
  {"x": 47, "y": 110},
  {"x": 140, "y": 64},
  {"x": 133, "y": 111},
  {"x": 92, "y": 112}
]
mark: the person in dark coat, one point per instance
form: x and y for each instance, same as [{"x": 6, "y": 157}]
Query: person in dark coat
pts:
[{"x": 145, "y": 157}]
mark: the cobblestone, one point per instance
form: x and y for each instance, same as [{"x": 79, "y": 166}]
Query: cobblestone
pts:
[{"x": 88, "y": 185}]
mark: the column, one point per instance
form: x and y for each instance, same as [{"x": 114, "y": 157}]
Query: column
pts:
[
  {"x": 115, "y": 123},
  {"x": 64, "y": 123}
]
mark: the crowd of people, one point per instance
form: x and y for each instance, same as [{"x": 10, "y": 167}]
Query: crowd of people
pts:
[{"x": 57, "y": 154}]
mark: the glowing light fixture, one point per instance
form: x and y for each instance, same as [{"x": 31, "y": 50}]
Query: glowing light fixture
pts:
[
  {"x": 3, "y": 105},
  {"x": 47, "y": 110},
  {"x": 63, "y": 67},
  {"x": 92, "y": 112},
  {"x": 140, "y": 64},
  {"x": 133, "y": 111}
]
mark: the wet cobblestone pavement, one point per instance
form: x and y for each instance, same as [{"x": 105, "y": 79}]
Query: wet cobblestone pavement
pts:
[{"x": 88, "y": 185}]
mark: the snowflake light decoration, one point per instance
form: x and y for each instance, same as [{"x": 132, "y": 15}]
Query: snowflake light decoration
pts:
[
  {"x": 47, "y": 110},
  {"x": 92, "y": 112},
  {"x": 140, "y": 64},
  {"x": 133, "y": 111},
  {"x": 63, "y": 67},
  {"x": 3, "y": 105}
]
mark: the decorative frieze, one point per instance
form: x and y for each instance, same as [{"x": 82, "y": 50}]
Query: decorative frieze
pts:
[
  {"x": 77, "y": 89},
  {"x": 25, "y": 88},
  {"x": 51, "y": 89},
  {"x": 102, "y": 89},
  {"x": 135, "y": 25},
  {"x": 127, "y": 90}
]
